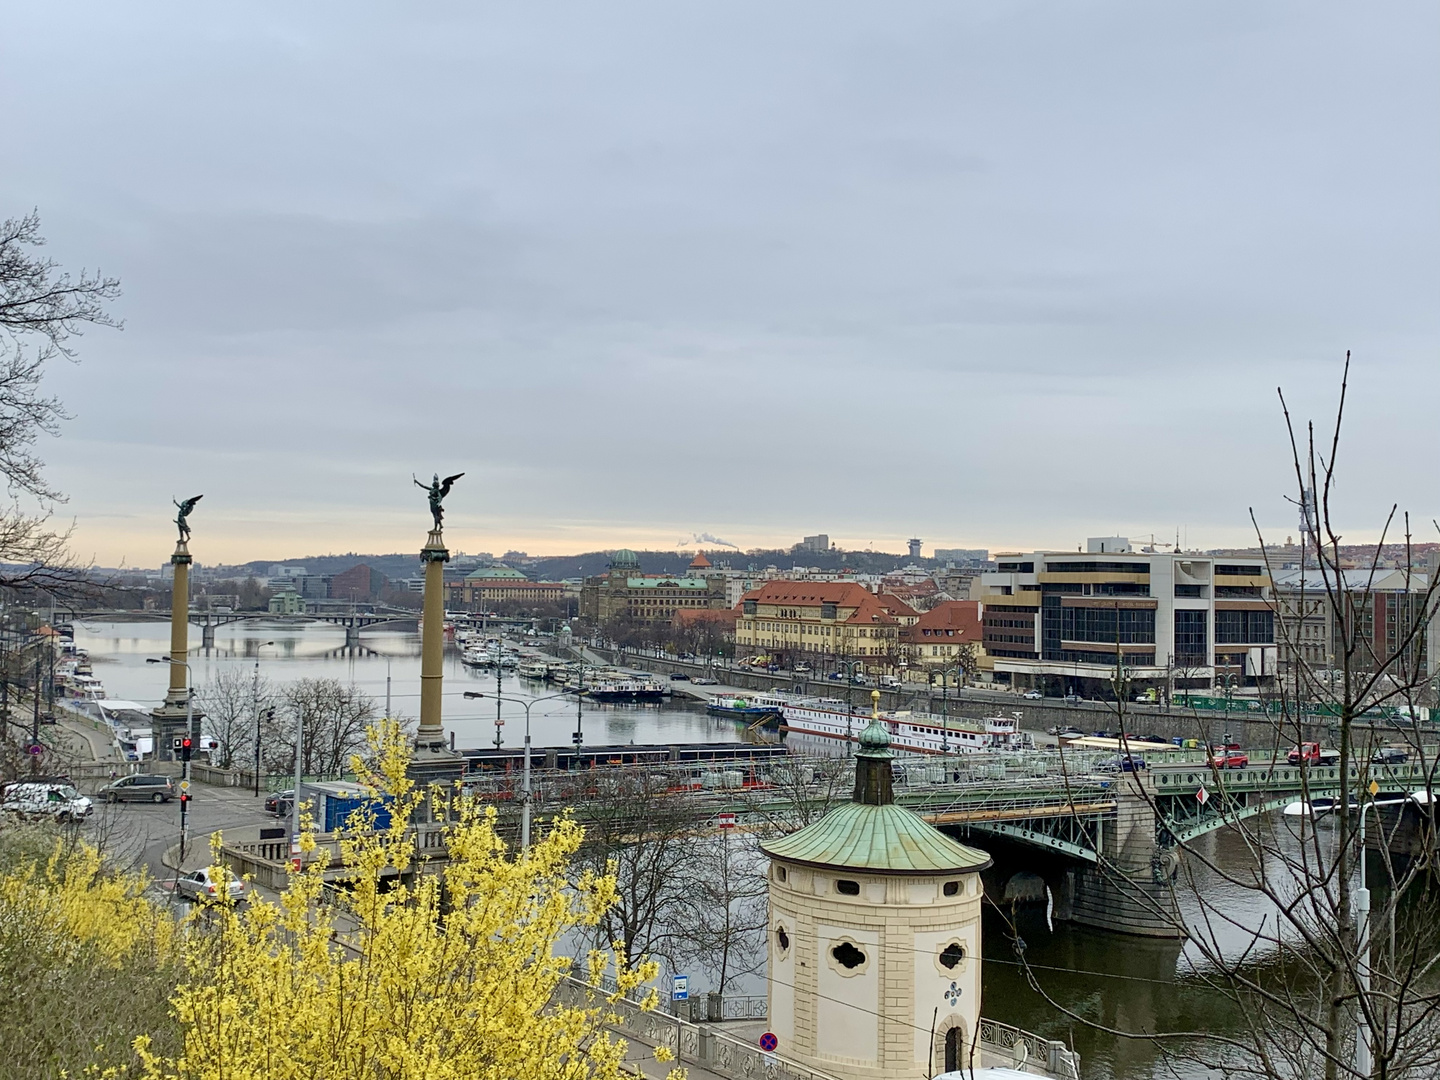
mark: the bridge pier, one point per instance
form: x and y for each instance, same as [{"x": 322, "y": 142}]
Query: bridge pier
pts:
[
  {"x": 352, "y": 633},
  {"x": 207, "y": 634},
  {"x": 1131, "y": 891}
]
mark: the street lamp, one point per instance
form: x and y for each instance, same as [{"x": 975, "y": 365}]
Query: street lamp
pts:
[
  {"x": 850, "y": 667},
  {"x": 255, "y": 698},
  {"x": 944, "y": 673},
  {"x": 189, "y": 737},
  {"x": 525, "y": 797}
]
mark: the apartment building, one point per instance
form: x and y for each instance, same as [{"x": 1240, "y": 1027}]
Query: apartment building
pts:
[
  {"x": 1381, "y": 608},
  {"x": 1058, "y": 620},
  {"x": 821, "y": 622}
]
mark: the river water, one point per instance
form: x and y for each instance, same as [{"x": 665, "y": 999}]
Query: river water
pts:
[
  {"x": 1130, "y": 984},
  {"x": 118, "y": 652}
]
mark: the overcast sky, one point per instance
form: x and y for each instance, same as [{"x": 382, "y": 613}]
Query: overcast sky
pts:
[{"x": 987, "y": 274}]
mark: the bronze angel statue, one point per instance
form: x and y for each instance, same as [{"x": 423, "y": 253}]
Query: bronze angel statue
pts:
[
  {"x": 437, "y": 489},
  {"x": 182, "y": 518}
]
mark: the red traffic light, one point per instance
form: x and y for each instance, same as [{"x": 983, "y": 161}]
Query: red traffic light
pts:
[{"x": 185, "y": 743}]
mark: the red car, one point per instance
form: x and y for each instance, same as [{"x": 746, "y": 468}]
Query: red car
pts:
[{"x": 1228, "y": 757}]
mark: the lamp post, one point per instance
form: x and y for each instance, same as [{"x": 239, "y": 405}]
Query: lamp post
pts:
[
  {"x": 189, "y": 737},
  {"x": 255, "y": 698},
  {"x": 525, "y": 795},
  {"x": 944, "y": 674},
  {"x": 850, "y": 667}
]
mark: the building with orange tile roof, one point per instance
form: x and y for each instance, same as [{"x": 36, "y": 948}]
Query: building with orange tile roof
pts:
[{"x": 821, "y": 622}]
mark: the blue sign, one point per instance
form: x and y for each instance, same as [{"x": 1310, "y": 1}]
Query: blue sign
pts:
[{"x": 680, "y": 988}]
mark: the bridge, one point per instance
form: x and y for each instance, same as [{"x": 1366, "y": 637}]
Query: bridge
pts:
[
  {"x": 1113, "y": 840},
  {"x": 352, "y": 621}
]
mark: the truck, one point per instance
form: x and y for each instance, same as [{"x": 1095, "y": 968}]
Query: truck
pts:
[{"x": 1311, "y": 753}]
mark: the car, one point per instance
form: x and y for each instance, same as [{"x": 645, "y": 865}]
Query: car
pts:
[
  {"x": 701, "y": 680},
  {"x": 1073, "y": 699},
  {"x": 679, "y": 676},
  {"x": 1123, "y": 763},
  {"x": 801, "y": 669},
  {"x": 1389, "y": 755},
  {"x": 278, "y": 802},
  {"x": 53, "y": 799},
  {"x": 1033, "y": 695},
  {"x": 201, "y": 887},
  {"x": 141, "y": 787},
  {"x": 1152, "y": 738},
  {"x": 1227, "y": 757},
  {"x": 1070, "y": 729}
]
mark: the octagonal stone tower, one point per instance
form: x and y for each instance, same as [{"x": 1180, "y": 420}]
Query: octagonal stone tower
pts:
[{"x": 874, "y": 936}]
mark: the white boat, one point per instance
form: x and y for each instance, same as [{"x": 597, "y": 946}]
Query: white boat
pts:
[
  {"x": 534, "y": 669},
  {"x": 922, "y": 733}
]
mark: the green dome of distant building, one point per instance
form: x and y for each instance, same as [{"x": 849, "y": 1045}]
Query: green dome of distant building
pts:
[
  {"x": 624, "y": 559},
  {"x": 495, "y": 573}
]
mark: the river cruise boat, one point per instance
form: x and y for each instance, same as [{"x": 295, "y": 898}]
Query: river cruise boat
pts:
[
  {"x": 746, "y": 706},
  {"x": 921, "y": 733},
  {"x": 626, "y": 690},
  {"x": 533, "y": 669}
]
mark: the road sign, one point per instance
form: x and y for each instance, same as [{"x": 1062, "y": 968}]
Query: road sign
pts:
[
  {"x": 35, "y": 749},
  {"x": 184, "y": 785},
  {"x": 295, "y": 843},
  {"x": 680, "y": 988},
  {"x": 768, "y": 1041},
  {"x": 725, "y": 821},
  {"x": 1374, "y": 787},
  {"x": 1202, "y": 796}
]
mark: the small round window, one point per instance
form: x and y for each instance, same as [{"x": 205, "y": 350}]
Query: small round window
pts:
[
  {"x": 952, "y": 955},
  {"x": 847, "y": 956},
  {"x": 952, "y": 888},
  {"x": 782, "y": 939},
  {"x": 847, "y": 888}
]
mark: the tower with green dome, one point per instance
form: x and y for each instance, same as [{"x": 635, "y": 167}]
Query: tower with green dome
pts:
[{"x": 874, "y": 936}]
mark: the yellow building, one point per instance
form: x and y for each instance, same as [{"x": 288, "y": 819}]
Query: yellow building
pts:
[{"x": 821, "y": 622}]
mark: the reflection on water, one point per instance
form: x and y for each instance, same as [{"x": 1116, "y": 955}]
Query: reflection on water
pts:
[{"x": 288, "y": 651}]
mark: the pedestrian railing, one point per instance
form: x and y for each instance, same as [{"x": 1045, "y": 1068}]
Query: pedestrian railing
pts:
[{"x": 1025, "y": 1049}]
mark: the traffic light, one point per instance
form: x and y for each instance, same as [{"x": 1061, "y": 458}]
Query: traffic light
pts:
[
  {"x": 184, "y": 799},
  {"x": 176, "y": 743},
  {"x": 185, "y": 751}
]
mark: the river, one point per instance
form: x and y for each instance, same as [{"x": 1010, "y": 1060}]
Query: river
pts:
[{"x": 286, "y": 652}]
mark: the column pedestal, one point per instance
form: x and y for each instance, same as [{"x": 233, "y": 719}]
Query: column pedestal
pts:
[{"x": 433, "y": 760}]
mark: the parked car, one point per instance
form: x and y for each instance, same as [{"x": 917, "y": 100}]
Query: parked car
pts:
[
  {"x": 1032, "y": 695},
  {"x": 679, "y": 676},
  {"x": 1073, "y": 699},
  {"x": 1311, "y": 752},
  {"x": 1070, "y": 729},
  {"x": 701, "y": 680},
  {"x": 1227, "y": 757},
  {"x": 1123, "y": 763},
  {"x": 1389, "y": 755},
  {"x": 202, "y": 888},
  {"x": 801, "y": 669},
  {"x": 52, "y": 799},
  {"x": 138, "y": 788},
  {"x": 278, "y": 802}
]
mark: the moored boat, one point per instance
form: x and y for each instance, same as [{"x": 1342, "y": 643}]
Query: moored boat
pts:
[{"x": 923, "y": 733}]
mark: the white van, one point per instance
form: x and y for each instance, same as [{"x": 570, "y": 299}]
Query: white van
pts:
[
  {"x": 890, "y": 682},
  {"x": 54, "y": 799}
]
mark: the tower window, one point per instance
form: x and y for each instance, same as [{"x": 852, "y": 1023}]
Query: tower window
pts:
[
  {"x": 847, "y": 956},
  {"x": 782, "y": 939},
  {"x": 780, "y": 873},
  {"x": 951, "y": 955},
  {"x": 952, "y": 888},
  {"x": 847, "y": 888}
]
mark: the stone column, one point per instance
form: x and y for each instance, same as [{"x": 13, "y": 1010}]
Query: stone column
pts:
[
  {"x": 169, "y": 718},
  {"x": 433, "y": 760},
  {"x": 1132, "y": 891}
]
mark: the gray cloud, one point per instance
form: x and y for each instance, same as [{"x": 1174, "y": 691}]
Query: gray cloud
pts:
[{"x": 998, "y": 271}]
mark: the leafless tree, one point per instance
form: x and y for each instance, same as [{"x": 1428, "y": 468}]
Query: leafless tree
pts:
[
  {"x": 643, "y": 832},
  {"x": 333, "y": 719},
  {"x": 1320, "y": 987},
  {"x": 41, "y": 308},
  {"x": 231, "y": 701},
  {"x": 726, "y": 915}
]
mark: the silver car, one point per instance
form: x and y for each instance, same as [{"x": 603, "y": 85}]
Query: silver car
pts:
[{"x": 202, "y": 888}]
